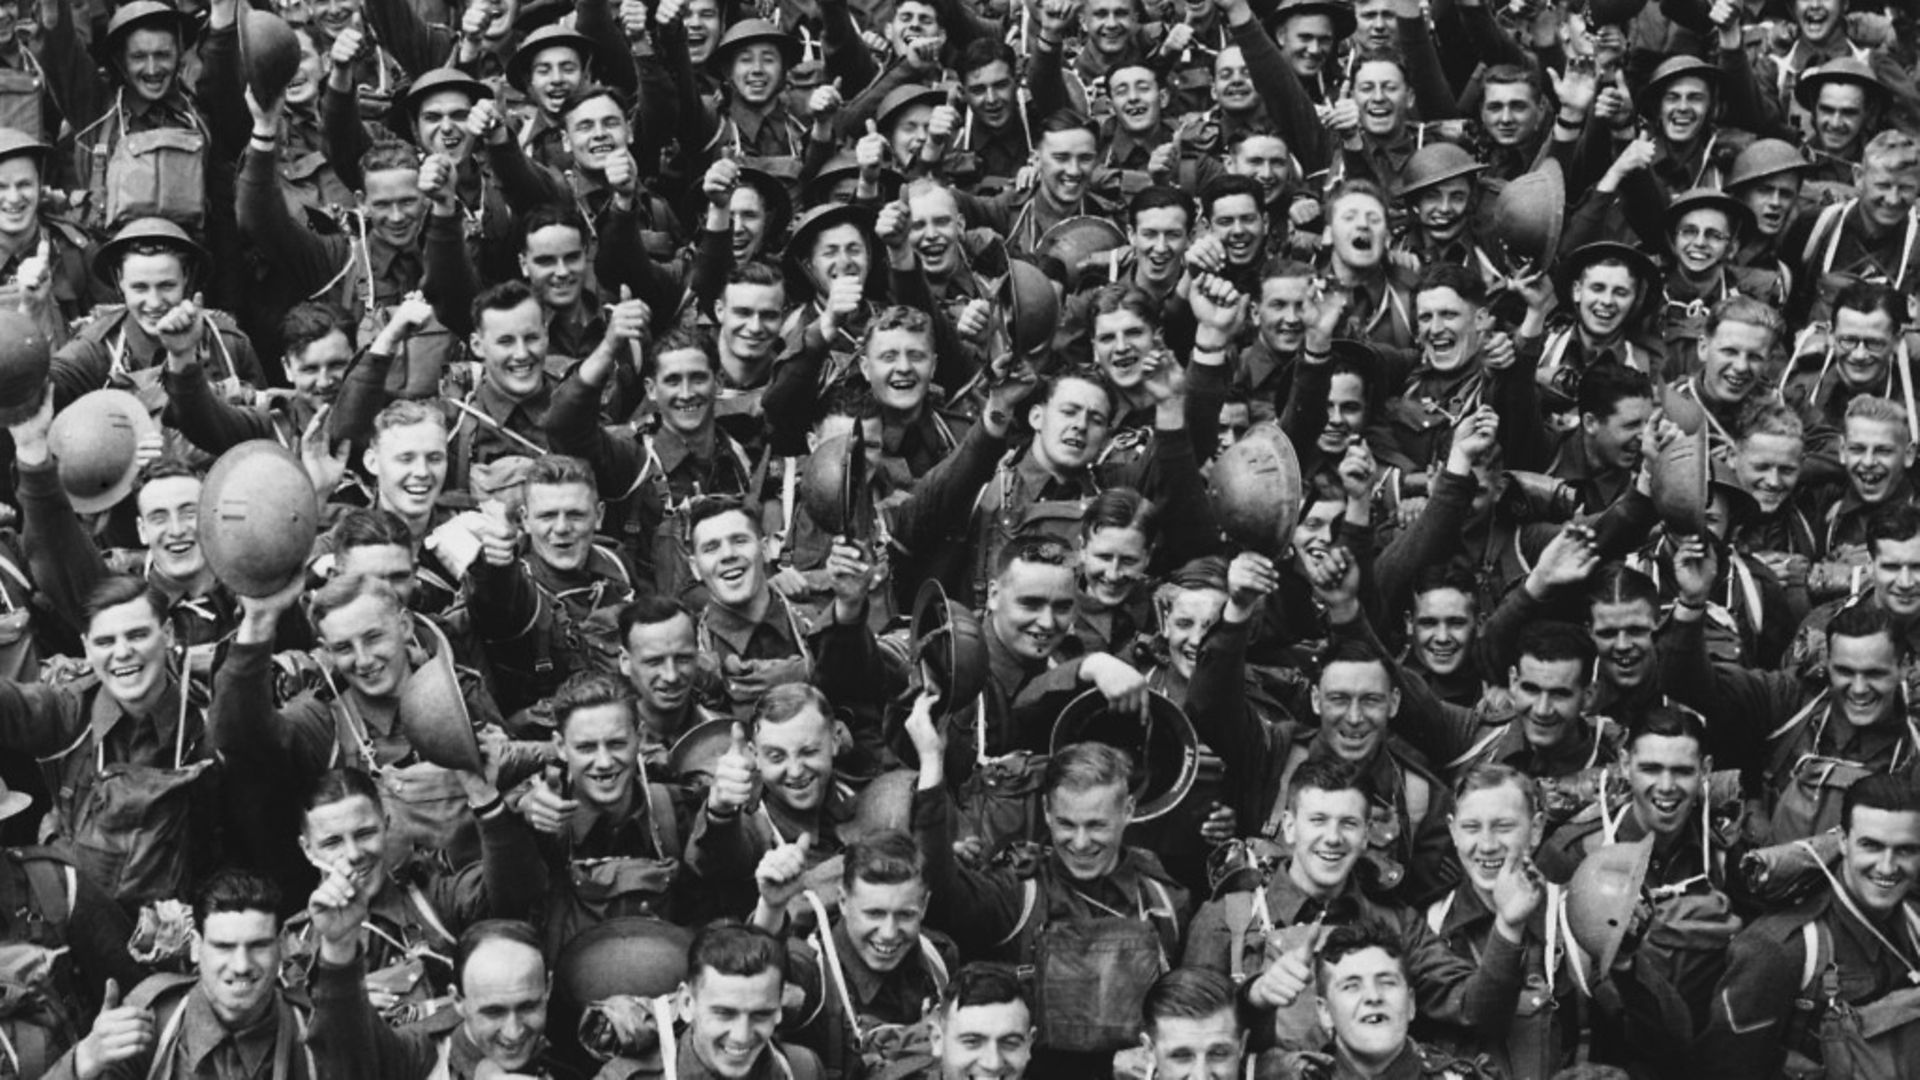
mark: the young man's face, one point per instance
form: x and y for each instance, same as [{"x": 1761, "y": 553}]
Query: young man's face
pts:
[
  {"x": 600, "y": 747},
  {"x": 1896, "y": 575},
  {"x": 1876, "y": 455},
  {"x": 1380, "y": 89},
  {"x": 1232, "y": 83},
  {"x": 1111, "y": 25},
  {"x": 703, "y": 29},
  {"x": 169, "y": 526},
  {"x": 933, "y": 229},
  {"x": 1327, "y": 832},
  {"x": 1122, "y": 341},
  {"x": 1367, "y": 1004},
  {"x": 349, "y": 834},
  {"x": 682, "y": 389},
  {"x": 748, "y": 208},
  {"x": 730, "y": 559},
  {"x": 1137, "y": 96},
  {"x": 511, "y": 344},
  {"x": 1441, "y": 208},
  {"x": 898, "y": 365},
  {"x": 149, "y": 59},
  {"x": 1282, "y": 314},
  {"x": 238, "y": 954},
  {"x": 1491, "y": 827},
  {"x": 1840, "y": 116},
  {"x": 151, "y": 286},
  {"x": 912, "y": 21},
  {"x": 730, "y": 1018},
  {"x": 1191, "y": 614},
  {"x": 1346, "y": 413},
  {"x": 1113, "y": 565},
  {"x": 1306, "y": 41},
  {"x": 1667, "y": 774},
  {"x": 317, "y": 368},
  {"x": 883, "y": 921},
  {"x": 390, "y": 563},
  {"x": 838, "y": 251},
  {"x": 1359, "y": 227},
  {"x": 1685, "y": 107},
  {"x": 19, "y": 195},
  {"x": 1889, "y": 185},
  {"x": 561, "y": 520},
  {"x": 1817, "y": 19},
  {"x": 1864, "y": 673},
  {"x": 1511, "y": 113},
  {"x": 1604, "y": 296},
  {"x": 796, "y": 759},
  {"x": 1731, "y": 359},
  {"x": 503, "y": 1003},
  {"x": 1086, "y": 826},
  {"x": 555, "y": 265},
  {"x": 555, "y": 73},
  {"x": 1768, "y": 466},
  {"x": 1066, "y": 164},
  {"x": 1377, "y": 27},
  {"x": 440, "y": 123},
  {"x": 127, "y": 648},
  {"x": 1443, "y": 627},
  {"x": 1030, "y": 608},
  {"x": 1071, "y": 426},
  {"x": 1623, "y": 637},
  {"x": 757, "y": 73},
  {"x": 1449, "y": 327},
  {"x": 1882, "y": 857},
  {"x": 596, "y": 131},
  {"x": 750, "y": 318},
  {"x": 1236, "y": 221},
  {"x": 660, "y": 661},
  {"x": 1550, "y": 696},
  {"x": 1702, "y": 240},
  {"x": 983, "y": 1042},
  {"x": 1863, "y": 346},
  {"x": 1355, "y": 700},
  {"x": 1159, "y": 238},
  {"x": 1197, "y": 1048},
  {"x": 409, "y": 465},
  {"x": 1616, "y": 441},
  {"x": 365, "y": 642},
  {"x": 989, "y": 90},
  {"x": 1264, "y": 158},
  {"x": 1772, "y": 199}
]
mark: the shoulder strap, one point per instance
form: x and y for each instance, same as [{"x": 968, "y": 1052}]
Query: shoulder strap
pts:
[
  {"x": 1481, "y": 746},
  {"x": 1029, "y": 899},
  {"x": 1818, "y": 945},
  {"x": 1237, "y": 909},
  {"x": 798, "y": 1063},
  {"x": 1438, "y": 911},
  {"x": 56, "y": 887},
  {"x": 665, "y": 825}
]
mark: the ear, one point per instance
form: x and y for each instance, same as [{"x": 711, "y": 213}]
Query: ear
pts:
[
  {"x": 1539, "y": 830},
  {"x": 1320, "y": 1007},
  {"x": 1287, "y": 826},
  {"x": 473, "y": 342},
  {"x": 1393, "y": 702},
  {"x": 1034, "y": 413},
  {"x": 367, "y": 459},
  {"x": 683, "y": 1003}
]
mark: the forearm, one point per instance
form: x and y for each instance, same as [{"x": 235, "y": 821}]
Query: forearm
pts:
[{"x": 61, "y": 556}]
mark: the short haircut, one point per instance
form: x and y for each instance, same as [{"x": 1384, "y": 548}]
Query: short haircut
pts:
[
  {"x": 1281, "y": 267},
  {"x": 161, "y": 468},
  {"x": 1344, "y": 650},
  {"x": 1327, "y": 774},
  {"x": 1063, "y": 120},
  {"x": 1892, "y": 149},
  {"x": 1435, "y": 576},
  {"x": 1670, "y": 722},
  {"x": 1489, "y": 775},
  {"x": 1470, "y": 286},
  {"x": 983, "y": 983},
  {"x": 473, "y": 937},
  {"x": 712, "y": 506},
  {"x": 555, "y": 470},
  {"x": 407, "y": 412},
  {"x": 1379, "y": 54},
  {"x": 115, "y": 590},
  {"x": 1344, "y": 941},
  {"x": 1896, "y": 522},
  {"x": 1551, "y": 641},
  {"x": 1515, "y": 74},
  {"x": 1357, "y": 186},
  {"x": 501, "y": 296},
  {"x": 588, "y": 91},
  {"x": 1226, "y": 186},
  {"x": 1870, "y": 297},
  {"x": 887, "y": 857},
  {"x": 982, "y": 52},
  {"x": 1158, "y": 197},
  {"x": 1606, "y": 384},
  {"x": 1121, "y": 296},
  {"x": 1120, "y": 508},
  {"x": 547, "y": 216},
  {"x": 1617, "y": 583},
  {"x": 756, "y": 272},
  {"x": 650, "y": 609},
  {"x": 341, "y": 591},
  {"x": 234, "y": 890},
  {"x": 1767, "y": 416},
  {"x": 1866, "y": 620},
  {"x": 1051, "y": 384},
  {"x": 1881, "y": 791},
  {"x": 1084, "y": 766},
  {"x": 1190, "y": 993},
  {"x": 339, "y": 785},
  {"x": 852, "y": 399},
  {"x": 900, "y": 317},
  {"x": 730, "y": 947},
  {"x": 389, "y": 154},
  {"x": 310, "y": 321},
  {"x": 1746, "y": 309},
  {"x": 1880, "y": 410},
  {"x": 369, "y": 527},
  {"x": 591, "y": 690},
  {"x": 788, "y": 700},
  {"x": 1033, "y": 548}
]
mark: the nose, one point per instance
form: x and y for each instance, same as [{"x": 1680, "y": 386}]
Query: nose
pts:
[{"x": 513, "y": 1029}]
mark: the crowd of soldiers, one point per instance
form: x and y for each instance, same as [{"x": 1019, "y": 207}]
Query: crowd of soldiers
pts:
[{"x": 885, "y": 539}]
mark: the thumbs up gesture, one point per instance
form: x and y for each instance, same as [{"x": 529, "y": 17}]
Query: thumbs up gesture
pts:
[
  {"x": 781, "y": 875},
  {"x": 825, "y": 101},
  {"x": 499, "y": 539},
  {"x": 120, "y": 1033},
  {"x": 545, "y": 807},
  {"x": 629, "y": 319},
  {"x": 871, "y": 151},
  {"x": 1288, "y": 976},
  {"x": 734, "y": 776}
]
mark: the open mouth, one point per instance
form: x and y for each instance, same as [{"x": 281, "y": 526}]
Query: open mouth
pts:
[
  {"x": 1361, "y": 243},
  {"x": 1372, "y": 1018},
  {"x": 756, "y": 84},
  {"x": 1628, "y": 664},
  {"x": 1332, "y": 858},
  {"x": 733, "y": 573},
  {"x": 449, "y": 139},
  {"x": 887, "y": 951},
  {"x": 934, "y": 251},
  {"x": 1075, "y": 443},
  {"x": 1666, "y": 805},
  {"x": 1871, "y": 479},
  {"x": 419, "y": 489},
  {"x": 180, "y": 549},
  {"x": 904, "y": 385},
  {"x": 521, "y": 367}
]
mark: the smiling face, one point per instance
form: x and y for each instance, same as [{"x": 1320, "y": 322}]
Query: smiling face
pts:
[
  {"x": 1702, "y": 240},
  {"x": 934, "y": 231},
  {"x": 1113, "y": 565},
  {"x": 316, "y": 369},
  {"x": 989, "y": 90},
  {"x": 440, "y": 123},
  {"x": 1603, "y": 297},
  {"x": 596, "y": 133},
  {"x": 1492, "y": 826},
  {"x": 561, "y": 520},
  {"x": 151, "y": 286},
  {"x": 238, "y": 955},
  {"x": 912, "y": 20},
  {"x": 983, "y": 1042},
  {"x": 1863, "y": 674},
  {"x": 1327, "y": 831},
  {"x": 1122, "y": 341},
  {"x": 1066, "y": 164},
  {"x": 1367, "y": 1004},
  {"x": 1355, "y": 700},
  {"x": 1896, "y": 575},
  {"x": 1442, "y": 629},
  {"x": 1732, "y": 358},
  {"x": 702, "y": 18},
  {"x": 1616, "y": 442},
  {"x": 1817, "y": 20},
  {"x": 307, "y": 78},
  {"x": 1359, "y": 226},
  {"x": 1549, "y": 695},
  {"x": 1192, "y": 613},
  {"x": 909, "y": 132},
  {"x": 1086, "y": 826},
  {"x": 730, "y": 559},
  {"x": 1667, "y": 775},
  {"x": 555, "y": 265},
  {"x": 1768, "y": 466},
  {"x": 1030, "y": 608},
  {"x": 1137, "y": 97},
  {"x": 394, "y": 207},
  {"x": 757, "y": 73},
  {"x": 1197, "y": 1048},
  {"x": 1282, "y": 314},
  {"x": 883, "y": 921},
  {"x": 1236, "y": 221},
  {"x": 1380, "y": 89},
  {"x": 1623, "y": 636},
  {"x": 1264, "y": 158},
  {"x": 19, "y": 195},
  {"x": 1876, "y": 455},
  {"x": 748, "y": 209},
  {"x": 149, "y": 60},
  {"x": 1839, "y": 116},
  {"x": 555, "y": 72},
  {"x": 1306, "y": 41},
  {"x": 1882, "y": 857},
  {"x": 796, "y": 759},
  {"x": 898, "y": 365},
  {"x": 731, "y": 1018},
  {"x": 838, "y": 251},
  {"x": 503, "y": 1002},
  {"x": 1888, "y": 188},
  {"x": 169, "y": 527},
  {"x": 511, "y": 345},
  {"x": 1232, "y": 83},
  {"x": 1771, "y": 199},
  {"x": 1684, "y": 108},
  {"x": 1313, "y": 536},
  {"x": 1159, "y": 238},
  {"x": 1111, "y": 25},
  {"x": 682, "y": 390},
  {"x": 366, "y": 640},
  {"x": 660, "y": 661},
  {"x": 1071, "y": 426},
  {"x": 600, "y": 747},
  {"x": 1511, "y": 113},
  {"x": 750, "y": 320},
  {"x": 1863, "y": 347},
  {"x": 350, "y": 834},
  {"x": 1441, "y": 208},
  {"x": 1449, "y": 328},
  {"x": 127, "y": 647},
  {"x": 409, "y": 466}
]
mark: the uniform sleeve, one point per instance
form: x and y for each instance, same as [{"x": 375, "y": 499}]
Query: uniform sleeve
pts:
[
  {"x": 62, "y": 558},
  {"x": 349, "y": 1039},
  {"x": 209, "y": 421},
  {"x": 243, "y": 725},
  {"x": 979, "y": 909},
  {"x": 1745, "y": 1035},
  {"x": 1448, "y": 988}
]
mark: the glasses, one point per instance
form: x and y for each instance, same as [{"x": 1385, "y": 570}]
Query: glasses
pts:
[
  {"x": 1711, "y": 236},
  {"x": 1849, "y": 343}
]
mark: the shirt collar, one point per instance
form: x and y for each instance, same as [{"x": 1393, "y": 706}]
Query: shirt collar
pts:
[
  {"x": 737, "y": 630},
  {"x": 202, "y": 1034}
]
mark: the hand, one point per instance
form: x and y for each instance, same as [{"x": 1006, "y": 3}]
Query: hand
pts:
[
  {"x": 1723, "y": 15},
  {"x": 1118, "y": 681},
  {"x": 942, "y": 125},
  {"x": 633, "y": 18},
  {"x": 923, "y": 54},
  {"x": 544, "y": 808},
  {"x": 1575, "y": 89},
  {"x": 35, "y": 278},
  {"x": 260, "y": 615},
  {"x": 266, "y": 117},
  {"x": 1056, "y": 16},
  {"x": 1474, "y": 436},
  {"x": 892, "y": 226},
  {"x": 1284, "y": 980},
  {"x": 436, "y": 179},
  {"x": 1207, "y": 255},
  {"x": 734, "y": 775},
  {"x": 789, "y": 583},
  {"x": 1166, "y": 380},
  {"x": 1790, "y": 568},
  {"x": 851, "y": 575},
  {"x": 1694, "y": 569},
  {"x": 410, "y": 315},
  {"x": 1497, "y": 352},
  {"x": 1614, "y": 103},
  {"x": 1568, "y": 559},
  {"x": 120, "y": 1033},
  {"x": 922, "y": 731},
  {"x": 1535, "y": 288},
  {"x": 782, "y": 873},
  {"x": 348, "y": 47},
  {"x": 1013, "y": 379},
  {"x": 182, "y": 329},
  {"x": 148, "y": 449},
  {"x": 1164, "y": 160},
  {"x": 843, "y": 302},
  {"x": 1517, "y": 893},
  {"x": 1357, "y": 470},
  {"x": 1220, "y": 825},
  {"x": 1326, "y": 306},
  {"x": 484, "y": 122},
  {"x": 974, "y": 320},
  {"x": 871, "y": 151},
  {"x": 1342, "y": 117},
  {"x": 825, "y": 101},
  {"x": 30, "y": 435},
  {"x": 1634, "y": 157},
  {"x": 668, "y": 12},
  {"x": 1306, "y": 1065},
  {"x": 1251, "y": 577},
  {"x": 475, "y": 20},
  {"x": 623, "y": 174},
  {"x": 630, "y": 319},
  {"x": 1179, "y": 36},
  {"x": 1335, "y": 578},
  {"x": 338, "y": 907},
  {"x": 1217, "y": 305},
  {"x": 1303, "y": 212}
]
